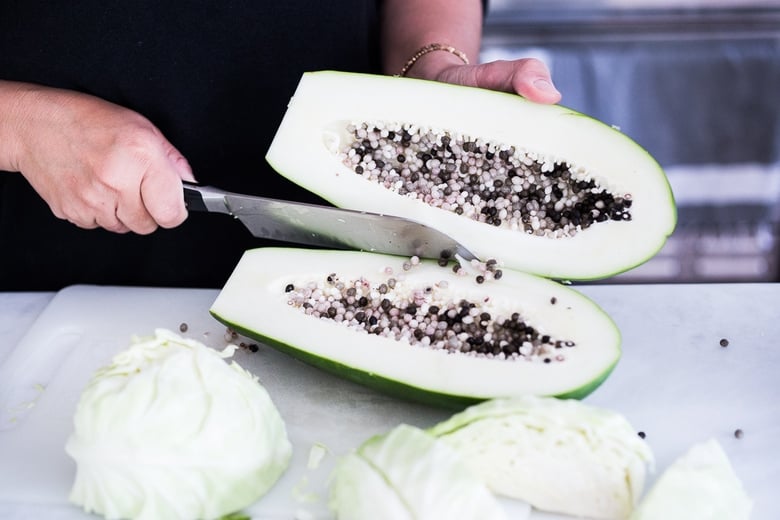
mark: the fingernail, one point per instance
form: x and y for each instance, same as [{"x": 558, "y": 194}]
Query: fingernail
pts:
[{"x": 543, "y": 84}]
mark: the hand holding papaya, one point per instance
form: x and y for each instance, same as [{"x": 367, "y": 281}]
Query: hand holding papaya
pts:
[
  {"x": 441, "y": 39},
  {"x": 528, "y": 77}
]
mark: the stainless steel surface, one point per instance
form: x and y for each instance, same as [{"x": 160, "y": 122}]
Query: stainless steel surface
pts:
[
  {"x": 546, "y": 21},
  {"x": 329, "y": 227},
  {"x": 694, "y": 82}
]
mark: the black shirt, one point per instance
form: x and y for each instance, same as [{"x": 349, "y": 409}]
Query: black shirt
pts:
[{"x": 214, "y": 76}]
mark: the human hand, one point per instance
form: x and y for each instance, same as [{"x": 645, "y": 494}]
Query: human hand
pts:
[
  {"x": 97, "y": 164},
  {"x": 528, "y": 77}
]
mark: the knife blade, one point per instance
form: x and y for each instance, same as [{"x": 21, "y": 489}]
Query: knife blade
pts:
[{"x": 324, "y": 226}]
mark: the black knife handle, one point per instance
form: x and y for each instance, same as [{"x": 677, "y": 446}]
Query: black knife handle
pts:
[{"x": 193, "y": 199}]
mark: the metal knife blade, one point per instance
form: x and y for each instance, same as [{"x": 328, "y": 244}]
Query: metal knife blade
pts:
[{"x": 324, "y": 226}]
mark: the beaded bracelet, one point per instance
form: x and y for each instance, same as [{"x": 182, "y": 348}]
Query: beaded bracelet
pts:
[{"x": 430, "y": 48}]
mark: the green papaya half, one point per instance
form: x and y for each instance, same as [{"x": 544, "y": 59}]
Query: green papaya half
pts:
[
  {"x": 420, "y": 330},
  {"x": 543, "y": 188}
]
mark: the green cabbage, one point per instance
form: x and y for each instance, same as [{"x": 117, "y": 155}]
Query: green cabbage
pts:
[
  {"x": 170, "y": 430},
  {"x": 700, "y": 485},
  {"x": 558, "y": 455},
  {"x": 405, "y": 475}
]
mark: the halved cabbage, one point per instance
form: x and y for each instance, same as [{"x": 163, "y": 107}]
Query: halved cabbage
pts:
[
  {"x": 408, "y": 474},
  {"x": 170, "y": 430},
  {"x": 700, "y": 485},
  {"x": 558, "y": 455}
]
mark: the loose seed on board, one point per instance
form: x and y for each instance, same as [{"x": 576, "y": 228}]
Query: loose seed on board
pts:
[
  {"x": 724, "y": 342},
  {"x": 738, "y": 433},
  {"x": 230, "y": 334},
  {"x": 251, "y": 347}
]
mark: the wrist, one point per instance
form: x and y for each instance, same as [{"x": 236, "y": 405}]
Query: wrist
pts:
[
  {"x": 17, "y": 103},
  {"x": 431, "y": 60},
  {"x": 12, "y": 96}
]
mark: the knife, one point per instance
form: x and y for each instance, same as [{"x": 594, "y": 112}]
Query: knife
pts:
[{"x": 325, "y": 226}]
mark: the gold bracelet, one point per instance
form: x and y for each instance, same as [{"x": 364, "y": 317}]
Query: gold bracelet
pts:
[{"x": 430, "y": 48}]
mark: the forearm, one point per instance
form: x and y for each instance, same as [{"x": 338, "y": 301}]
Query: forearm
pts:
[{"x": 408, "y": 25}]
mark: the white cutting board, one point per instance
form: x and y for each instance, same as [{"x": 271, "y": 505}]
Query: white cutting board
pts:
[{"x": 674, "y": 382}]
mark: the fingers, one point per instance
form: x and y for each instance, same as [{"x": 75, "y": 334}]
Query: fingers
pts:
[
  {"x": 531, "y": 79},
  {"x": 97, "y": 164},
  {"x": 154, "y": 198},
  {"x": 109, "y": 220},
  {"x": 92, "y": 220},
  {"x": 528, "y": 77},
  {"x": 162, "y": 194},
  {"x": 135, "y": 188}
]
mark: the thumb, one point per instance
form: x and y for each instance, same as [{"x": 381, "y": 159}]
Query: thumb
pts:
[
  {"x": 177, "y": 161},
  {"x": 532, "y": 80},
  {"x": 181, "y": 165}
]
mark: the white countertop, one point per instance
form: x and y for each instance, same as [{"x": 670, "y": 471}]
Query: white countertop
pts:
[
  {"x": 674, "y": 381},
  {"x": 18, "y": 310}
]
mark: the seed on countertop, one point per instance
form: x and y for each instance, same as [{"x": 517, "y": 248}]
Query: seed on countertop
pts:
[
  {"x": 724, "y": 342},
  {"x": 251, "y": 347},
  {"x": 738, "y": 433},
  {"x": 183, "y": 327},
  {"x": 642, "y": 435}
]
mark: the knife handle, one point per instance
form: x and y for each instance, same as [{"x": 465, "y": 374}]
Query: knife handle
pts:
[
  {"x": 192, "y": 197},
  {"x": 204, "y": 198}
]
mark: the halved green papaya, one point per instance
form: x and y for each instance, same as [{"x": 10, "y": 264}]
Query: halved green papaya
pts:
[
  {"x": 418, "y": 330},
  {"x": 543, "y": 188}
]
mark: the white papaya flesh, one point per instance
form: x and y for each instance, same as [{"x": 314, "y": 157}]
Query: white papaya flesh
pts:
[
  {"x": 542, "y": 188},
  {"x": 418, "y": 330}
]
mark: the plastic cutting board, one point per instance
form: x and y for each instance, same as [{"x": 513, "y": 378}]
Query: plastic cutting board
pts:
[{"x": 673, "y": 382}]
